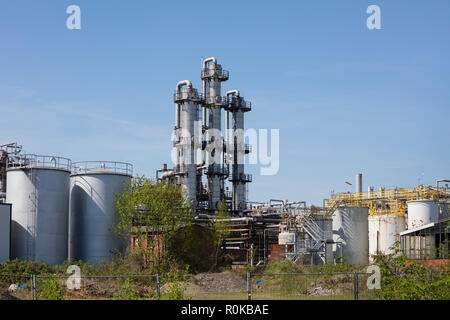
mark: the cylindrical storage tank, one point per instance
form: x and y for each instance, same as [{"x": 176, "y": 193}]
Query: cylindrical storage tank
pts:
[
  {"x": 384, "y": 231},
  {"x": 351, "y": 229},
  {"x": 422, "y": 212},
  {"x": 92, "y": 213},
  {"x": 286, "y": 238},
  {"x": 38, "y": 189},
  {"x": 444, "y": 210}
]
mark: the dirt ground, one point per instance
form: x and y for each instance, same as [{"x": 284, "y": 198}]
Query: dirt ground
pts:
[{"x": 210, "y": 283}]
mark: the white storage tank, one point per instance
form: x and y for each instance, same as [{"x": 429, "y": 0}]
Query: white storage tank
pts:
[
  {"x": 38, "y": 189},
  {"x": 384, "y": 231},
  {"x": 350, "y": 229},
  {"x": 422, "y": 212},
  {"x": 93, "y": 186}
]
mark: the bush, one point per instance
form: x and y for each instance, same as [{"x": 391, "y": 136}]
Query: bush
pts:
[
  {"x": 51, "y": 290},
  {"x": 284, "y": 266},
  {"x": 174, "y": 287},
  {"x": 408, "y": 281}
]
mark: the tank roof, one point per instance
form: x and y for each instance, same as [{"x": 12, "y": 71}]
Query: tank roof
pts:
[{"x": 102, "y": 167}]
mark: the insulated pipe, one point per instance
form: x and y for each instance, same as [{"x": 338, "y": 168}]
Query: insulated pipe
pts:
[
  {"x": 183, "y": 83},
  {"x": 227, "y": 135},
  {"x": 227, "y": 122},
  {"x": 178, "y": 106},
  {"x": 203, "y": 136},
  {"x": 177, "y": 115},
  {"x": 205, "y": 62},
  {"x": 236, "y": 92}
]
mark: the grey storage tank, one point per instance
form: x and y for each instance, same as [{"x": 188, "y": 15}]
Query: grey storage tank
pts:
[
  {"x": 5, "y": 232},
  {"x": 351, "y": 233},
  {"x": 93, "y": 186},
  {"x": 38, "y": 189}
]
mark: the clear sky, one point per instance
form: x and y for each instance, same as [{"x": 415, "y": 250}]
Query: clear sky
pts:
[{"x": 345, "y": 98}]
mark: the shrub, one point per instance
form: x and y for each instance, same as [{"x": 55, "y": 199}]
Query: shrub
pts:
[
  {"x": 51, "y": 290},
  {"x": 408, "y": 281}
]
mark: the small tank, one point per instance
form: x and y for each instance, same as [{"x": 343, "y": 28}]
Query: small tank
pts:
[
  {"x": 422, "y": 212},
  {"x": 384, "y": 231},
  {"x": 92, "y": 214},
  {"x": 38, "y": 190},
  {"x": 350, "y": 232}
]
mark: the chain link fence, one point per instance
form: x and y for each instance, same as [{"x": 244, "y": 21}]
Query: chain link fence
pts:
[
  {"x": 53, "y": 287},
  {"x": 306, "y": 286},
  {"x": 256, "y": 286},
  {"x": 16, "y": 287}
]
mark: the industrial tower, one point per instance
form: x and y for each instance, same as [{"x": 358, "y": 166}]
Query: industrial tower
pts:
[{"x": 201, "y": 132}]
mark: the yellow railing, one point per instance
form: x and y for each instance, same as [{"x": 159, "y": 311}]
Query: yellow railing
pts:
[{"x": 388, "y": 202}]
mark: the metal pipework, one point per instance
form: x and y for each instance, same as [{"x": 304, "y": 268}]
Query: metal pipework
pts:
[
  {"x": 232, "y": 92},
  {"x": 227, "y": 120},
  {"x": 204, "y": 127},
  {"x": 439, "y": 181},
  {"x": 204, "y": 115},
  {"x": 178, "y": 106},
  {"x": 205, "y": 63},
  {"x": 227, "y": 136}
]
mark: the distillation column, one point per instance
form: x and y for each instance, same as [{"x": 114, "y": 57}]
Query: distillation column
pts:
[
  {"x": 238, "y": 106},
  {"x": 212, "y": 76},
  {"x": 186, "y": 99}
]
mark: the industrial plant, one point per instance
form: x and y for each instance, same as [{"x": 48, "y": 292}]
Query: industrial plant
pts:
[{"x": 53, "y": 209}]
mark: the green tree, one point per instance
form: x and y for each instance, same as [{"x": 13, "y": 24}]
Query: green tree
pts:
[
  {"x": 153, "y": 212},
  {"x": 220, "y": 230},
  {"x": 402, "y": 279}
]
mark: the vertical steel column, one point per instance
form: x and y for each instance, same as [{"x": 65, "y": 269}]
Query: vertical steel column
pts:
[
  {"x": 249, "y": 286},
  {"x": 355, "y": 285},
  {"x": 158, "y": 291},
  {"x": 33, "y": 287}
]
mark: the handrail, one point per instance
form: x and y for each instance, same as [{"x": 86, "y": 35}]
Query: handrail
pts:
[
  {"x": 39, "y": 161},
  {"x": 393, "y": 200},
  {"x": 220, "y": 73},
  {"x": 107, "y": 166}
]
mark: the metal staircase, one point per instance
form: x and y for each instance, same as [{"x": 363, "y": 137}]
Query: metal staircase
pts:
[{"x": 315, "y": 232}]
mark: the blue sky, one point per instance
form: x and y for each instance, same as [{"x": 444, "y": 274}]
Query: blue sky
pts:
[{"x": 346, "y": 99}]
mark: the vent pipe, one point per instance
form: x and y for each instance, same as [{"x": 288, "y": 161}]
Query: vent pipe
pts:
[{"x": 358, "y": 182}]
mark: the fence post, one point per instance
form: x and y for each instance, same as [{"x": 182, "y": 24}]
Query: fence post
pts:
[
  {"x": 33, "y": 286},
  {"x": 249, "y": 287},
  {"x": 355, "y": 285},
  {"x": 158, "y": 292}
]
